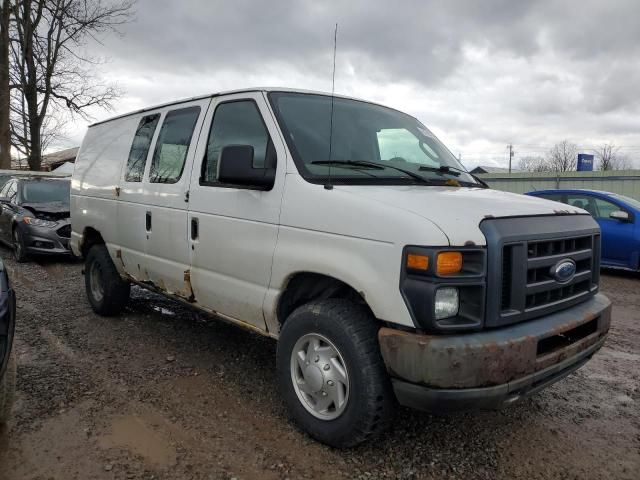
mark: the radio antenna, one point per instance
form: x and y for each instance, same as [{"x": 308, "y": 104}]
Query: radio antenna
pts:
[{"x": 329, "y": 186}]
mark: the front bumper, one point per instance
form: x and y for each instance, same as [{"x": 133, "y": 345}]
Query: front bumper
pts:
[
  {"x": 495, "y": 367},
  {"x": 45, "y": 241}
]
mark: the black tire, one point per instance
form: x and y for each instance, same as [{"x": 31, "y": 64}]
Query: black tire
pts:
[
  {"x": 19, "y": 251},
  {"x": 108, "y": 293},
  {"x": 353, "y": 331},
  {"x": 7, "y": 390}
]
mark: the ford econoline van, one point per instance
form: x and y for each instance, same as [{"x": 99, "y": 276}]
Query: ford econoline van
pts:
[{"x": 349, "y": 233}]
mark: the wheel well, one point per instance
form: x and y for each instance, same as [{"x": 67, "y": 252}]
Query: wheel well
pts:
[
  {"x": 305, "y": 287},
  {"x": 90, "y": 237}
]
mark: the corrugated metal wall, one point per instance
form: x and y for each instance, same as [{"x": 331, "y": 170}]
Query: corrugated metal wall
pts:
[{"x": 624, "y": 182}]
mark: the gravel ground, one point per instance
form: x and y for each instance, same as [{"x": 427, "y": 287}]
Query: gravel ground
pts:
[{"x": 165, "y": 393}]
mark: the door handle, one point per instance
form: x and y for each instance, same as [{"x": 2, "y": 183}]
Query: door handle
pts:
[
  {"x": 194, "y": 228},
  {"x": 148, "y": 221}
]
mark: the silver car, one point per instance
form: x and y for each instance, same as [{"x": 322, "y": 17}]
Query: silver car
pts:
[{"x": 35, "y": 216}]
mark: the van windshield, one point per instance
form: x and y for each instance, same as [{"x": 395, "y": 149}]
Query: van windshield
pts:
[{"x": 368, "y": 143}]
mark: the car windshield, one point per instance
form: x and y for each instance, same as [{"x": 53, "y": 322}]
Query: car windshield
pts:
[
  {"x": 358, "y": 133},
  {"x": 46, "y": 191},
  {"x": 628, "y": 200}
]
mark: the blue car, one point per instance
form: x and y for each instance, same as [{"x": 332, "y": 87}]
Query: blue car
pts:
[{"x": 619, "y": 220}]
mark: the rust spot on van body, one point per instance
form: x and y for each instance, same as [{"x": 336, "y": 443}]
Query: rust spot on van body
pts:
[{"x": 187, "y": 294}]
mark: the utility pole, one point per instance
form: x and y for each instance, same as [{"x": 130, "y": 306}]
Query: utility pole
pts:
[{"x": 510, "y": 147}]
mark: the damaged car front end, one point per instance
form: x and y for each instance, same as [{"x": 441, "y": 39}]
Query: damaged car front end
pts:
[{"x": 35, "y": 216}]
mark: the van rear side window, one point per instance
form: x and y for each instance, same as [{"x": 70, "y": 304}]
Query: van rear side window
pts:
[
  {"x": 172, "y": 145},
  {"x": 140, "y": 148}
]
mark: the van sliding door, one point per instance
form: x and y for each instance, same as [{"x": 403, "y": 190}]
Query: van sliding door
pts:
[{"x": 166, "y": 189}]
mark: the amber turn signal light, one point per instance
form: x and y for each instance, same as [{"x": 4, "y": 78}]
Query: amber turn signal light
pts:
[
  {"x": 417, "y": 262},
  {"x": 449, "y": 262}
]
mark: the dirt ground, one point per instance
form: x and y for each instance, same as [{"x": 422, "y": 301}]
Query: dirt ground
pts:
[{"x": 164, "y": 393}]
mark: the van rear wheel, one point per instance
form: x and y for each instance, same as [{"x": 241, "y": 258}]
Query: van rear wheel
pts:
[
  {"x": 331, "y": 374},
  {"x": 7, "y": 390},
  {"x": 107, "y": 292}
]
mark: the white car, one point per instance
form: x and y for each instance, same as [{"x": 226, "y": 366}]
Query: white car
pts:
[{"x": 349, "y": 233}]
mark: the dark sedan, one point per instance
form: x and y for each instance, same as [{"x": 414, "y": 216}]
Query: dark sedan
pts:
[
  {"x": 7, "y": 359},
  {"x": 35, "y": 216}
]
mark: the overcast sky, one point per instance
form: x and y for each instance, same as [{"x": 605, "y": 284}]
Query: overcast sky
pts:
[{"x": 480, "y": 74}]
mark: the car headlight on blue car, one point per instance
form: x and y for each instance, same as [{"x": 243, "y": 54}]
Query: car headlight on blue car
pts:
[{"x": 38, "y": 222}]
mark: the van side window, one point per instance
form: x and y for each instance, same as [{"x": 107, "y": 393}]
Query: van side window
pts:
[
  {"x": 172, "y": 145},
  {"x": 140, "y": 148},
  {"x": 236, "y": 123}
]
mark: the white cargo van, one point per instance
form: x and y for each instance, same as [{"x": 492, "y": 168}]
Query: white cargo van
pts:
[{"x": 349, "y": 233}]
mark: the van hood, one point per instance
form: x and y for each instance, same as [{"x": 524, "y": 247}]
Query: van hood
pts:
[{"x": 459, "y": 211}]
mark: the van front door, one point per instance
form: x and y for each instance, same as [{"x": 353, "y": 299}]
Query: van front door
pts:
[
  {"x": 233, "y": 229},
  {"x": 166, "y": 193}
]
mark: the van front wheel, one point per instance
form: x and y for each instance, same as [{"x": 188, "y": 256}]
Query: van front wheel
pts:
[
  {"x": 107, "y": 292},
  {"x": 331, "y": 374}
]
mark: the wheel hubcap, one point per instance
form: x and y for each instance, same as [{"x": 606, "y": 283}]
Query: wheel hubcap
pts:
[
  {"x": 95, "y": 281},
  {"x": 320, "y": 377}
]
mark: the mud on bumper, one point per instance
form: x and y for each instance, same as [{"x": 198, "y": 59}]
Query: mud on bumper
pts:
[{"x": 495, "y": 367}]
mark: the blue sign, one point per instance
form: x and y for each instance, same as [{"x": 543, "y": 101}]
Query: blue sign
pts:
[{"x": 585, "y": 162}]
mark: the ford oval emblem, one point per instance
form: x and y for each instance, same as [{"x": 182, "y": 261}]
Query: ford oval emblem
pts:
[{"x": 564, "y": 270}]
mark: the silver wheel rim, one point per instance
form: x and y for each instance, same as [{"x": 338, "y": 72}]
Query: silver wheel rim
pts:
[
  {"x": 320, "y": 376},
  {"x": 95, "y": 282}
]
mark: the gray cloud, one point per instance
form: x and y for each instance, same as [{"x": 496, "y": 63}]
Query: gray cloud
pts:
[{"x": 482, "y": 73}]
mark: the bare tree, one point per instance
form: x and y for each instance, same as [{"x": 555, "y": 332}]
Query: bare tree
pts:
[
  {"x": 533, "y": 164},
  {"x": 5, "y": 131},
  {"x": 52, "y": 77},
  {"x": 563, "y": 157},
  {"x": 610, "y": 158}
]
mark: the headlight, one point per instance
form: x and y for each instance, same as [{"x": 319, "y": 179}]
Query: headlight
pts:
[
  {"x": 38, "y": 222},
  {"x": 447, "y": 302}
]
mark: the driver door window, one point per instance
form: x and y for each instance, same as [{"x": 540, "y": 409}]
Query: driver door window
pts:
[{"x": 236, "y": 123}]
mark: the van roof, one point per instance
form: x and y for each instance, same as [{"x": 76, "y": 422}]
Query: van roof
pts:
[{"x": 230, "y": 92}]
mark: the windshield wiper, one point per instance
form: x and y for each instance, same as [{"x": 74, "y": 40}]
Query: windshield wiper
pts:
[
  {"x": 455, "y": 171},
  {"x": 442, "y": 169},
  {"x": 374, "y": 165}
]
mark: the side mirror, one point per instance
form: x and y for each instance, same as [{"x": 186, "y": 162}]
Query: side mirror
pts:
[
  {"x": 619, "y": 215},
  {"x": 236, "y": 167}
]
